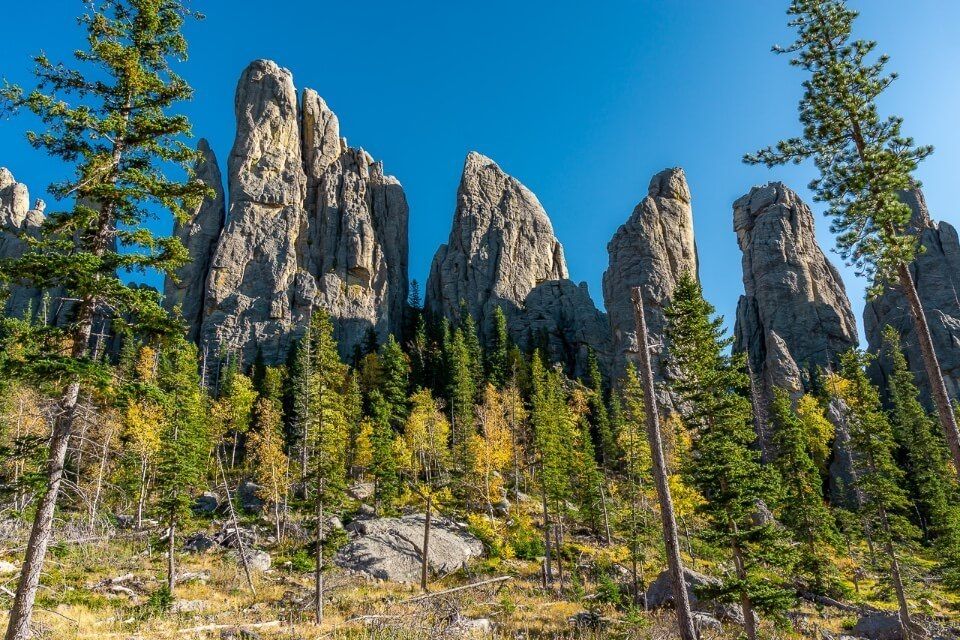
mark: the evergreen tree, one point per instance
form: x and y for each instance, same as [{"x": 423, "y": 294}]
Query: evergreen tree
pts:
[
  {"x": 270, "y": 462},
  {"x": 802, "y": 507},
  {"x": 234, "y": 408},
  {"x": 185, "y": 442},
  {"x": 864, "y": 162},
  {"x": 606, "y": 438},
  {"x": 109, "y": 119},
  {"x": 383, "y": 467},
  {"x": 878, "y": 480},
  {"x": 328, "y": 434},
  {"x": 587, "y": 478},
  {"x": 932, "y": 485},
  {"x": 713, "y": 393},
  {"x": 498, "y": 371},
  {"x": 461, "y": 392},
  {"x": 471, "y": 339},
  {"x": 298, "y": 401},
  {"x": 394, "y": 381}
]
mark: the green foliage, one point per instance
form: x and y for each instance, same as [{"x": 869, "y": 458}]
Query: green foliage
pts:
[
  {"x": 498, "y": 370},
  {"x": 713, "y": 393},
  {"x": 384, "y": 466},
  {"x": 802, "y": 508},
  {"x": 394, "y": 381},
  {"x": 606, "y": 437},
  {"x": 863, "y": 159}
]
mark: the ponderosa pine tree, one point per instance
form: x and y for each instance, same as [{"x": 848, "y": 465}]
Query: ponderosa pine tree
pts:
[
  {"x": 185, "y": 441},
  {"x": 802, "y": 508},
  {"x": 864, "y": 162},
  {"x": 328, "y": 435},
  {"x": 713, "y": 392},
  {"x": 109, "y": 118},
  {"x": 587, "y": 478},
  {"x": 878, "y": 479},
  {"x": 461, "y": 392},
  {"x": 933, "y": 487}
]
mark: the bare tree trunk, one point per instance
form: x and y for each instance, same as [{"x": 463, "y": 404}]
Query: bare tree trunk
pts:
[
  {"x": 546, "y": 532},
  {"x": 171, "y": 560},
  {"x": 142, "y": 498},
  {"x": 938, "y": 389},
  {"x": 749, "y": 623},
  {"x": 425, "y": 552},
  {"x": 18, "y": 627},
  {"x": 606, "y": 516},
  {"x": 667, "y": 516},
  {"x": 236, "y": 527},
  {"x": 104, "y": 454},
  {"x": 318, "y": 570},
  {"x": 557, "y": 539},
  {"x": 905, "y": 622}
]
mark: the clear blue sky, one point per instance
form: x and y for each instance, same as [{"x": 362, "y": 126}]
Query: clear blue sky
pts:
[{"x": 582, "y": 102}]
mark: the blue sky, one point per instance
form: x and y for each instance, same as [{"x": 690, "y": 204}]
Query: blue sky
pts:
[{"x": 583, "y": 102}]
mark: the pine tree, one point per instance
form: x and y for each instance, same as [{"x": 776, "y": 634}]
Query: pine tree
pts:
[
  {"x": 498, "y": 371},
  {"x": 471, "y": 340},
  {"x": 588, "y": 480},
  {"x": 606, "y": 438},
  {"x": 394, "y": 381},
  {"x": 185, "y": 441},
  {"x": 327, "y": 433},
  {"x": 109, "y": 119},
  {"x": 233, "y": 410},
  {"x": 802, "y": 508},
  {"x": 933, "y": 487},
  {"x": 383, "y": 462},
  {"x": 864, "y": 162},
  {"x": 461, "y": 391},
  {"x": 878, "y": 479},
  {"x": 713, "y": 393},
  {"x": 298, "y": 401}
]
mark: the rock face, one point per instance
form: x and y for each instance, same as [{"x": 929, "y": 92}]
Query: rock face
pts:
[
  {"x": 502, "y": 252},
  {"x": 562, "y": 316},
  {"x": 199, "y": 235},
  {"x": 312, "y": 223},
  {"x": 936, "y": 273},
  {"x": 18, "y": 218},
  {"x": 650, "y": 250},
  {"x": 501, "y": 246},
  {"x": 795, "y": 315},
  {"x": 390, "y": 548}
]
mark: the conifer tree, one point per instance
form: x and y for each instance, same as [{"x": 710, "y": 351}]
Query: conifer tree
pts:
[
  {"x": 586, "y": 476},
  {"x": 864, "y": 162},
  {"x": 933, "y": 487},
  {"x": 713, "y": 393},
  {"x": 461, "y": 392},
  {"x": 606, "y": 438},
  {"x": 298, "y": 401},
  {"x": 878, "y": 479},
  {"x": 185, "y": 441},
  {"x": 328, "y": 434},
  {"x": 394, "y": 381},
  {"x": 269, "y": 457},
  {"x": 234, "y": 408},
  {"x": 109, "y": 118},
  {"x": 498, "y": 370},
  {"x": 802, "y": 507},
  {"x": 143, "y": 417},
  {"x": 383, "y": 463},
  {"x": 471, "y": 340}
]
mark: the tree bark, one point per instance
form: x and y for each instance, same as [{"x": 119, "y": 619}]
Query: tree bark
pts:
[
  {"x": 171, "y": 559},
  {"x": 425, "y": 555},
  {"x": 548, "y": 570},
  {"x": 667, "y": 516},
  {"x": 938, "y": 388}
]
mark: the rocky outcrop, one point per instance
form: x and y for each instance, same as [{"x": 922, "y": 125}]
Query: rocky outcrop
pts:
[
  {"x": 650, "y": 250},
  {"x": 501, "y": 246},
  {"x": 794, "y": 316},
  {"x": 18, "y": 219},
  {"x": 312, "y": 223},
  {"x": 936, "y": 273},
  {"x": 199, "y": 235},
  {"x": 562, "y": 317},
  {"x": 391, "y": 548},
  {"x": 502, "y": 252}
]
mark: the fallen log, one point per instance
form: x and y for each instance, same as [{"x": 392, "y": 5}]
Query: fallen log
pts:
[
  {"x": 472, "y": 585},
  {"x": 219, "y": 627}
]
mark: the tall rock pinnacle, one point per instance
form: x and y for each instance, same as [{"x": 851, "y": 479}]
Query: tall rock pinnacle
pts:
[
  {"x": 501, "y": 246},
  {"x": 17, "y": 218},
  {"x": 199, "y": 235},
  {"x": 312, "y": 223},
  {"x": 650, "y": 250},
  {"x": 795, "y": 315},
  {"x": 502, "y": 252},
  {"x": 936, "y": 273}
]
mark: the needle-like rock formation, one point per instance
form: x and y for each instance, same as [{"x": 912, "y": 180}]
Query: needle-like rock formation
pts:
[{"x": 17, "y": 219}]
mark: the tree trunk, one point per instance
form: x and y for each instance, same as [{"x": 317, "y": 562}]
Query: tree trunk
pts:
[
  {"x": 100, "y": 473},
  {"x": 142, "y": 498},
  {"x": 905, "y": 622},
  {"x": 749, "y": 624},
  {"x": 236, "y": 527},
  {"x": 318, "y": 571},
  {"x": 425, "y": 555},
  {"x": 557, "y": 539},
  {"x": 18, "y": 627},
  {"x": 667, "y": 517},
  {"x": 546, "y": 533},
  {"x": 171, "y": 560},
  {"x": 938, "y": 389},
  {"x": 606, "y": 517}
]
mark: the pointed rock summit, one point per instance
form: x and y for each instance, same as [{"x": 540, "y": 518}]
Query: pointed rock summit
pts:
[
  {"x": 312, "y": 223},
  {"x": 794, "y": 315},
  {"x": 650, "y": 250},
  {"x": 502, "y": 252},
  {"x": 17, "y": 219},
  {"x": 501, "y": 246},
  {"x": 199, "y": 235},
  {"x": 936, "y": 272}
]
